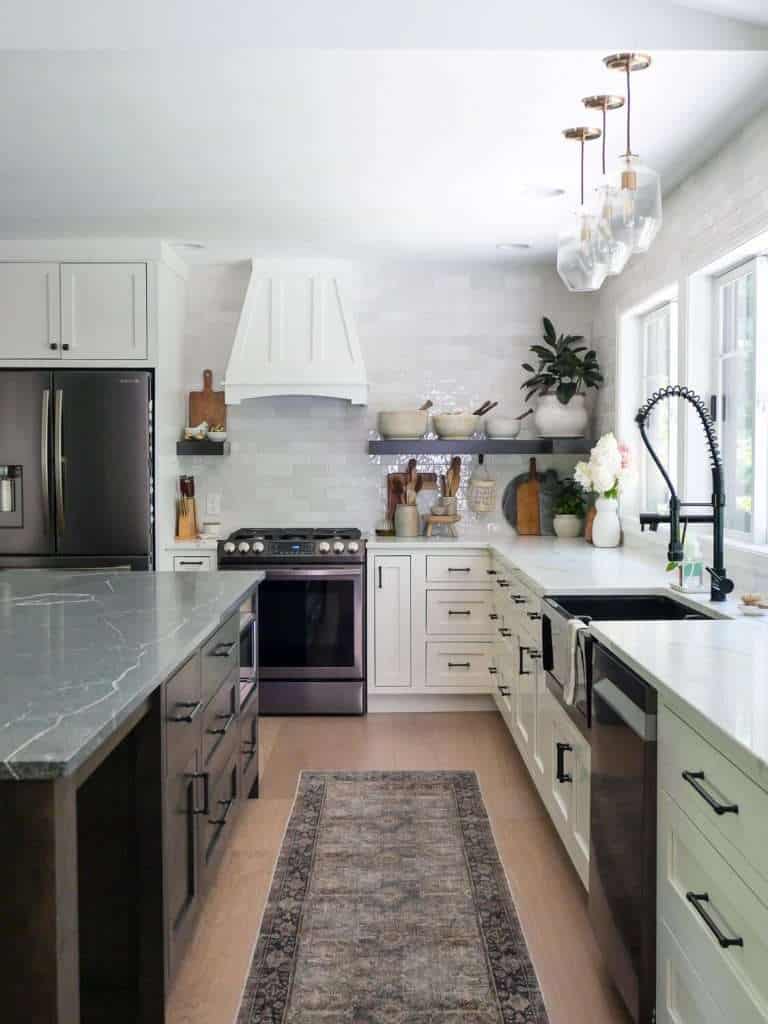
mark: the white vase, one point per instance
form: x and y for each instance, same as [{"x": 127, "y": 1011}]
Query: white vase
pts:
[
  {"x": 606, "y": 528},
  {"x": 553, "y": 419},
  {"x": 567, "y": 526}
]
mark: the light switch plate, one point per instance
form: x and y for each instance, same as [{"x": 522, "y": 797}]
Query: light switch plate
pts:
[{"x": 213, "y": 504}]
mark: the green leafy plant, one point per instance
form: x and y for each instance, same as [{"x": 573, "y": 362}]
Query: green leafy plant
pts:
[
  {"x": 569, "y": 500},
  {"x": 562, "y": 369}
]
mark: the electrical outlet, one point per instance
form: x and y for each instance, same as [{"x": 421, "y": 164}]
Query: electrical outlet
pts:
[{"x": 213, "y": 504}]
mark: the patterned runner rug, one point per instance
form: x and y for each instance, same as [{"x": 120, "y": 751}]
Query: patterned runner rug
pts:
[{"x": 389, "y": 905}]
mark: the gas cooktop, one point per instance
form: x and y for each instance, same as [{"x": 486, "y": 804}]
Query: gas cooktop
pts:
[{"x": 315, "y": 544}]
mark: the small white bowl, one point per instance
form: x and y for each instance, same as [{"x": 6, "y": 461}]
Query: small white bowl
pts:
[
  {"x": 405, "y": 423},
  {"x": 455, "y": 425},
  {"x": 217, "y": 435},
  {"x": 751, "y": 609},
  {"x": 506, "y": 427}
]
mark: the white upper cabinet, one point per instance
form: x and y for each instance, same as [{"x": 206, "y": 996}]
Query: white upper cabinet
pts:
[
  {"x": 104, "y": 310},
  {"x": 30, "y": 320}
]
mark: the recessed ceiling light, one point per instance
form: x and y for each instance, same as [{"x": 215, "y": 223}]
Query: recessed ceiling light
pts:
[{"x": 513, "y": 246}]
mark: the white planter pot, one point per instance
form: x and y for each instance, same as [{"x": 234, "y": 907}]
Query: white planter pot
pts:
[
  {"x": 568, "y": 526},
  {"x": 553, "y": 419},
  {"x": 606, "y": 528}
]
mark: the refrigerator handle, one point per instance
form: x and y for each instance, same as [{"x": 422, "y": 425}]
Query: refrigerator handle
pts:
[
  {"x": 58, "y": 413},
  {"x": 45, "y": 459}
]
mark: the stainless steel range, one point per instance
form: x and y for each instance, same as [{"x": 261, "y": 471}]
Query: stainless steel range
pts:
[{"x": 311, "y": 617}]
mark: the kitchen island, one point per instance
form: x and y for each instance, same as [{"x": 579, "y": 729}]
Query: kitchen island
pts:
[{"x": 123, "y": 754}]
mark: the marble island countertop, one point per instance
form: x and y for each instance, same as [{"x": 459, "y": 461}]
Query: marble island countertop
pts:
[{"x": 79, "y": 652}]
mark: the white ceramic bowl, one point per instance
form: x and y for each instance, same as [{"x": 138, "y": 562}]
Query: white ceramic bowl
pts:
[
  {"x": 502, "y": 426},
  {"x": 455, "y": 425},
  {"x": 407, "y": 423},
  {"x": 217, "y": 435}
]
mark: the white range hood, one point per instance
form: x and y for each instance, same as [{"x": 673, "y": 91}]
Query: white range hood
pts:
[{"x": 296, "y": 335}]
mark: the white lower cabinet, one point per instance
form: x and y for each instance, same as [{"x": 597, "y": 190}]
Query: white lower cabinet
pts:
[
  {"x": 681, "y": 996},
  {"x": 391, "y": 617}
]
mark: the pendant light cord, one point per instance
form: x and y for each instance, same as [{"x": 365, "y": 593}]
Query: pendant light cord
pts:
[
  {"x": 582, "y": 170},
  {"x": 605, "y": 112},
  {"x": 629, "y": 105}
]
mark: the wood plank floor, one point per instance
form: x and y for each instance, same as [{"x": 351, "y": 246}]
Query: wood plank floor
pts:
[{"x": 549, "y": 897}]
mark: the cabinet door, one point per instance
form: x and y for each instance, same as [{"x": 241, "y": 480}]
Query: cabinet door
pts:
[
  {"x": 580, "y": 807},
  {"x": 104, "y": 310},
  {"x": 30, "y": 324},
  {"x": 184, "y": 802},
  {"x": 542, "y": 737},
  {"x": 392, "y": 620},
  {"x": 561, "y": 754},
  {"x": 525, "y": 706}
]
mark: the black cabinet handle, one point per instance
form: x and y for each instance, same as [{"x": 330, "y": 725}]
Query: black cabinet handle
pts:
[
  {"x": 518, "y": 598},
  {"x": 451, "y": 569},
  {"x": 560, "y": 773},
  {"x": 520, "y": 670},
  {"x": 452, "y": 611},
  {"x": 505, "y": 632},
  {"x": 696, "y": 899},
  {"x": 491, "y": 572},
  {"x": 492, "y": 616},
  {"x": 195, "y": 705},
  {"x": 229, "y": 719},
  {"x": 533, "y": 654},
  {"x": 65, "y": 346},
  {"x": 492, "y": 670},
  {"x": 504, "y": 690},
  {"x": 459, "y": 664},
  {"x": 227, "y": 805},
  {"x": 692, "y": 778},
  {"x": 191, "y": 561},
  {"x": 223, "y": 650},
  {"x": 205, "y": 776},
  {"x": 381, "y": 581},
  {"x": 53, "y": 345},
  {"x": 533, "y": 615},
  {"x": 502, "y": 583}
]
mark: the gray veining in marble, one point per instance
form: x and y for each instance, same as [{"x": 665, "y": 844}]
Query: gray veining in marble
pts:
[{"x": 80, "y": 651}]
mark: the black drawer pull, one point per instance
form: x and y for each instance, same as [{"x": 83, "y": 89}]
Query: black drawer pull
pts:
[
  {"x": 502, "y": 583},
  {"x": 227, "y": 805},
  {"x": 492, "y": 670},
  {"x": 451, "y": 569},
  {"x": 533, "y": 615},
  {"x": 191, "y": 561},
  {"x": 692, "y": 778},
  {"x": 491, "y": 572},
  {"x": 505, "y": 632},
  {"x": 520, "y": 670},
  {"x": 518, "y": 598},
  {"x": 194, "y": 704},
  {"x": 534, "y": 655},
  {"x": 696, "y": 899},
  {"x": 223, "y": 650},
  {"x": 492, "y": 616},
  {"x": 504, "y": 690},
  {"x": 560, "y": 773},
  {"x": 452, "y": 611},
  {"x": 459, "y": 664},
  {"x": 229, "y": 719},
  {"x": 205, "y": 776}
]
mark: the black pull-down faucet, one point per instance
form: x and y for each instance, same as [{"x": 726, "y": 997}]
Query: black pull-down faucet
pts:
[{"x": 720, "y": 585}]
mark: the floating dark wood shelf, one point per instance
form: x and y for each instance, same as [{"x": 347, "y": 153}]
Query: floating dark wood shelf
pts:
[
  {"x": 484, "y": 446},
  {"x": 202, "y": 447}
]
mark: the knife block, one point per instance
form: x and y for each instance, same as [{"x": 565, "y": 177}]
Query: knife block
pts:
[{"x": 186, "y": 519}]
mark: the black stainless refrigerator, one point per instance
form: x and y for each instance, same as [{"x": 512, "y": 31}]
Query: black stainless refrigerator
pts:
[{"x": 76, "y": 469}]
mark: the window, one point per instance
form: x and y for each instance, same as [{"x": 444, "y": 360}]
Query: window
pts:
[
  {"x": 737, "y": 407},
  {"x": 658, "y": 362}
]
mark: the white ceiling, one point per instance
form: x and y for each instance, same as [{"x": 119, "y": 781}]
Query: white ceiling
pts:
[
  {"x": 754, "y": 12},
  {"x": 424, "y": 153}
]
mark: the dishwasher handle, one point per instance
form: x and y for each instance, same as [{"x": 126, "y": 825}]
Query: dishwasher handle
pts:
[{"x": 641, "y": 722}]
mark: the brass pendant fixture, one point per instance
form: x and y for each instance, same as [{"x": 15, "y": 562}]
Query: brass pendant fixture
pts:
[
  {"x": 637, "y": 218},
  {"x": 580, "y": 257},
  {"x": 617, "y": 248}
]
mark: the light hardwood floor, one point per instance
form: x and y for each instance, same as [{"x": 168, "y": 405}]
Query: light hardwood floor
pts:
[{"x": 549, "y": 897}]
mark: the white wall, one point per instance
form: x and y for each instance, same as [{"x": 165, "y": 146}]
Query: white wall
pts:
[
  {"x": 456, "y": 334},
  {"x": 719, "y": 208}
]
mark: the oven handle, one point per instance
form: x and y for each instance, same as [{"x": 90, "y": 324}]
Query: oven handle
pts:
[{"x": 313, "y": 572}]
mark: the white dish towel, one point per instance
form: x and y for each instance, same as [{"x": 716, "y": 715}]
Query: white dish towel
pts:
[{"x": 575, "y": 626}]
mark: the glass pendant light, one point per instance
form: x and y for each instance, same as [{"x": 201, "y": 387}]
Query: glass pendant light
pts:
[
  {"x": 639, "y": 186},
  {"x": 580, "y": 262},
  {"x": 615, "y": 248}
]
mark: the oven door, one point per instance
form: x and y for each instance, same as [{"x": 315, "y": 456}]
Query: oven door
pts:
[{"x": 311, "y": 623}]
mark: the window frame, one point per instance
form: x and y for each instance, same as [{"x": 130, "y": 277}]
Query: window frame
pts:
[
  {"x": 757, "y": 267},
  {"x": 669, "y": 311}
]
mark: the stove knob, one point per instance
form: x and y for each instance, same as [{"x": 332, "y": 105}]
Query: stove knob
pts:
[
  {"x": 244, "y": 547},
  {"x": 338, "y": 547},
  {"x": 258, "y": 546},
  {"x": 353, "y": 547},
  {"x": 229, "y": 547},
  {"x": 323, "y": 547}
]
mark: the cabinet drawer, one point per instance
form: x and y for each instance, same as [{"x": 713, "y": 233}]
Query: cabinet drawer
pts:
[
  {"x": 740, "y": 830},
  {"x": 459, "y": 665},
  {"x": 223, "y": 797},
  {"x": 462, "y": 611},
  {"x": 183, "y": 707},
  {"x": 249, "y": 746},
  {"x": 221, "y": 716},
  {"x": 681, "y": 997},
  {"x": 220, "y": 655},
  {"x": 690, "y": 867},
  {"x": 193, "y": 563},
  {"x": 458, "y": 569}
]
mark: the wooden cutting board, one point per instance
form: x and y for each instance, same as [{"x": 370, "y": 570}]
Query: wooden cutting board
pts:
[
  {"x": 207, "y": 404},
  {"x": 528, "y": 515}
]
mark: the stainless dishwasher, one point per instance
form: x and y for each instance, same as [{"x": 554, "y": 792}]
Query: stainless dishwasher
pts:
[{"x": 622, "y": 864}]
